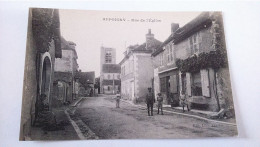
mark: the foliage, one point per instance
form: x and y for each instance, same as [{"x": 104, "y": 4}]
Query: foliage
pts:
[
  {"x": 213, "y": 59},
  {"x": 44, "y": 25}
]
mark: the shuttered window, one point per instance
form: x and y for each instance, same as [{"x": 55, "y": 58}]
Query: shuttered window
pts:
[
  {"x": 205, "y": 82},
  {"x": 196, "y": 87},
  {"x": 188, "y": 79}
]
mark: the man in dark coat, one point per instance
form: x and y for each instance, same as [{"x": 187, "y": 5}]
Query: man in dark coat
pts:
[{"x": 150, "y": 101}]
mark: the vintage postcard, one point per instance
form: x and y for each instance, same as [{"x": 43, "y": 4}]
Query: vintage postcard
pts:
[{"x": 126, "y": 75}]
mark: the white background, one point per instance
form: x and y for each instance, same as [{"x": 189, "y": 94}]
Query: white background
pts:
[{"x": 242, "y": 29}]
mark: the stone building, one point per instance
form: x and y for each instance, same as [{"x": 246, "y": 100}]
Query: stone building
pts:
[
  {"x": 165, "y": 71},
  {"x": 110, "y": 79},
  {"x": 137, "y": 69},
  {"x": 109, "y": 71},
  {"x": 193, "y": 60},
  {"x": 64, "y": 74},
  {"x": 42, "y": 47}
]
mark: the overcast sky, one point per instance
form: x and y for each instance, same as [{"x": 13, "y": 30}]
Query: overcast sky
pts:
[{"x": 90, "y": 31}]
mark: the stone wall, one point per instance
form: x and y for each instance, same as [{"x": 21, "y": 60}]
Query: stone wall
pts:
[
  {"x": 126, "y": 89},
  {"x": 29, "y": 88},
  {"x": 143, "y": 75},
  {"x": 32, "y": 79},
  {"x": 224, "y": 88}
]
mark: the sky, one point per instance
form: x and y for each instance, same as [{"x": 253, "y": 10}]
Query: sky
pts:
[{"x": 92, "y": 29}]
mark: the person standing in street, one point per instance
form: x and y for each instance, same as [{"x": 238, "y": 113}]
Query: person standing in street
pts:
[
  {"x": 150, "y": 100},
  {"x": 118, "y": 97},
  {"x": 160, "y": 101},
  {"x": 183, "y": 101}
]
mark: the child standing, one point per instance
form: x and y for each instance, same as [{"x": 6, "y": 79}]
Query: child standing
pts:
[
  {"x": 160, "y": 101},
  {"x": 183, "y": 101},
  {"x": 118, "y": 97}
]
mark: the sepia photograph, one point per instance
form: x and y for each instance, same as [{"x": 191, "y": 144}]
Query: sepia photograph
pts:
[{"x": 98, "y": 75}]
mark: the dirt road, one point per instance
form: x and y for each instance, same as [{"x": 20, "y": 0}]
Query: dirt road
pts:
[{"x": 130, "y": 122}]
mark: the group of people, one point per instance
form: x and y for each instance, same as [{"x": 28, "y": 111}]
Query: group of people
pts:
[{"x": 150, "y": 100}]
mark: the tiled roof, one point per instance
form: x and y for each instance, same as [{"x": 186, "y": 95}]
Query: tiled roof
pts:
[
  {"x": 155, "y": 44},
  {"x": 202, "y": 21},
  {"x": 86, "y": 78},
  {"x": 111, "y": 68}
]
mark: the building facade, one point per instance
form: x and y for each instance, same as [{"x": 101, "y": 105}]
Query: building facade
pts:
[
  {"x": 165, "y": 71},
  {"x": 39, "y": 63},
  {"x": 64, "y": 74},
  {"x": 137, "y": 69},
  {"x": 109, "y": 72},
  {"x": 199, "y": 64},
  {"x": 110, "y": 79}
]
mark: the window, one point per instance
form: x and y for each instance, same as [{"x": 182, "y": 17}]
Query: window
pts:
[
  {"x": 132, "y": 66},
  {"x": 161, "y": 59},
  {"x": 168, "y": 53},
  {"x": 108, "y": 88},
  {"x": 172, "y": 52},
  {"x": 195, "y": 43},
  {"x": 196, "y": 87},
  {"x": 108, "y": 76},
  {"x": 108, "y": 57}
]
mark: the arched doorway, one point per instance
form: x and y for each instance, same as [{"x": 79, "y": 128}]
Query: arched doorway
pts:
[{"x": 46, "y": 77}]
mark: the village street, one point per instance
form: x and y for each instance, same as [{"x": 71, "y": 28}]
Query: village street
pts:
[{"x": 131, "y": 122}]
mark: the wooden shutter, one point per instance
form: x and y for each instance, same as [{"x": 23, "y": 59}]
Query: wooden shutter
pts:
[
  {"x": 188, "y": 80},
  {"x": 205, "y": 82},
  {"x": 175, "y": 84},
  {"x": 180, "y": 82}
]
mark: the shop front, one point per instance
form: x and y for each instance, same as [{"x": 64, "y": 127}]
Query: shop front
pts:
[{"x": 169, "y": 87}]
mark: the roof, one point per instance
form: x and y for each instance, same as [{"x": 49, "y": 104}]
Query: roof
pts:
[
  {"x": 202, "y": 21},
  {"x": 86, "y": 78},
  {"x": 154, "y": 45},
  {"x": 67, "y": 45},
  {"x": 159, "y": 49},
  {"x": 63, "y": 76},
  {"x": 111, "y": 68}
]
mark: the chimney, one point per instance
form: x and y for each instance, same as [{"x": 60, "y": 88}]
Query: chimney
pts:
[
  {"x": 149, "y": 38},
  {"x": 174, "y": 27},
  {"x": 149, "y": 35}
]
